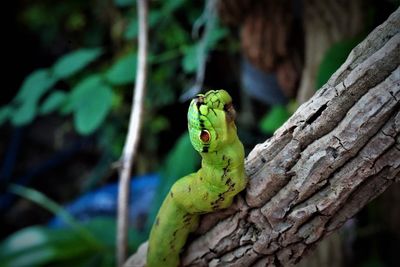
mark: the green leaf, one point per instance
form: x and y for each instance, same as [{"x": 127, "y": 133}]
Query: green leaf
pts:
[
  {"x": 33, "y": 88},
  {"x": 190, "y": 58},
  {"x": 25, "y": 113},
  {"x": 67, "y": 107},
  {"x": 47, "y": 203},
  {"x": 123, "y": 71},
  {"x": 39, "y": 245},
  {"x": 174, "y": 35},
  {"x": 155, "y": 17},
  {"x": 216, "y": 34},
  {"x": 5, "y": 113},
  {"x": 334, "y": 58},
  {"x": 274, "y": 119},
  {"x": 90, "y": 116},
  {"x": 35, "y": 85},
  {"x": 75, "y": 61},
  {"x": 53, "y": 102},
  {"x": 131, "y": 31},
  {"x": 91, "y": 101},
  {"x": 160, "y": 90},
  {"x": 158, "y": 124},
  {"x": 81, "y": 92},
  {"x": 124, "y": 3},
  {"x": 33, "y": 246},
  {"x": 97, "y": 225},
  {"x": 171, "y": 5}
]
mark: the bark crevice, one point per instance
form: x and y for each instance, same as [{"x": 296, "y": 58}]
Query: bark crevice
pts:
[
  {"x": 340, "y": 150},
  {"x": 333, "y": 156}
]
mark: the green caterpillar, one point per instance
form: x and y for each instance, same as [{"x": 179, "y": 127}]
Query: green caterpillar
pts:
[{"x": 212, "y": 130}]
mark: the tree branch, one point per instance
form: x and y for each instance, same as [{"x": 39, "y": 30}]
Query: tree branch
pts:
[
  {"x": 335, "y": 154},
  {"x": 132, "y": 138},
  {"x": 339, "y": 150}
]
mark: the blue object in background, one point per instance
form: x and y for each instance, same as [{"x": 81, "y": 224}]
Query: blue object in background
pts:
[
  {"x": 103, "y": 202},
  {"x": 261, "y": 85}
]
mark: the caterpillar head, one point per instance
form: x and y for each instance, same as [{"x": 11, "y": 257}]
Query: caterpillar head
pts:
[{"x": 211, "y": 119}]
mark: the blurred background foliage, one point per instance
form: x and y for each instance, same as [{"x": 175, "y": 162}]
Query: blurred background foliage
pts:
[
  {"x": 64, "y": 114},
  {"x": 80, "y": 86}
]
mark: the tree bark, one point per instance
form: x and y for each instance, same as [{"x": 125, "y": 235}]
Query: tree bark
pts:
[
  {"x": 337, "y": 152},
  {"x": 325, "y": 23},
  {"x": 340, "y": 150}
]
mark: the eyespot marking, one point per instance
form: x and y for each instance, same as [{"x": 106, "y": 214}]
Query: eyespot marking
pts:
[{"x": 205, "y": 136}]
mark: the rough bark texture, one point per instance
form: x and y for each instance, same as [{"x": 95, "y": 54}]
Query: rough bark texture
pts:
[
  {"x": 339, "y": 150},
  {"x": 336, "y": 153}
]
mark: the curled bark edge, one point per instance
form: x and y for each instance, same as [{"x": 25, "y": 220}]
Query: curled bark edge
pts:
[{"x": 340, "y": 150}]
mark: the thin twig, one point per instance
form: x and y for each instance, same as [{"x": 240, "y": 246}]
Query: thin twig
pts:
[{"x": 132, "y": 139}]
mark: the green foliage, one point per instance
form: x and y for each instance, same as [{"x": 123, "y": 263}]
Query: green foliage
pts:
[
  {"x": 171, "y": 5},
  {"x": 216, "y": 35},
  {"x": 5, "y": 113},
  {"x": 176, "y": 35},
  {"x": 123, "y": 71},
  {"x": 53, "y": 102},
  {"x": 43, "y": 201},
  {"x": 172, "y": 51},
  {"x": 89, "y": 94},
  {"x": 42, "y": 246},
  {"x": 190, "y": 59},
  {"x": 36, "y": 245},
  {"x": 192, "y": 53},
  {"x": 91, "y": 101},
  {"x": 33, "y": 88},
  {"x": 159, "y": 93},
  {"x": 96, "y": 99},
  {"x": 334, "y": 58},
  {"x": 74, "y": 246},
  {"x": 24, "y": 114},
  {"x": 188, "y": 159},
  {"x": 183, "y": 153},
  {"x": 75, "y": 61},
  {"x": 274, "y": 119},
  {"x": 124, "y": 3},
  {"x": 131, "y": 31},
  {"x": 159, "y": 124},
  {"x": 35, "y": 85},
  {"x": 89, "y": 111}
]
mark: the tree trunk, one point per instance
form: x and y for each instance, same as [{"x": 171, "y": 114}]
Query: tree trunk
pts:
[
  {"x": 325, "y": 23},
  {"x": 340, "y": 150}
]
